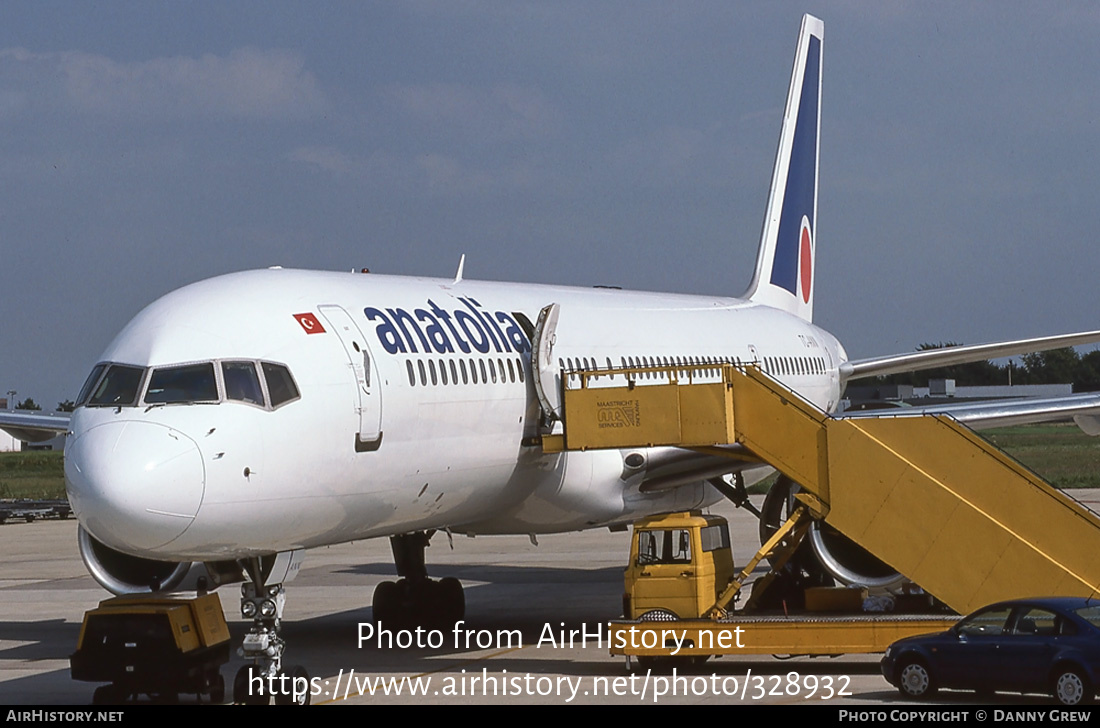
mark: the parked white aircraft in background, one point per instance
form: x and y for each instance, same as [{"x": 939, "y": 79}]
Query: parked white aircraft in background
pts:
[{"x": 242, "y": 419}]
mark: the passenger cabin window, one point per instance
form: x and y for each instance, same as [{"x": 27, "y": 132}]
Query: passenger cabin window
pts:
[
  {"x": 280, "y": 385},
  {"x": 182, "y": 385},
  {"x": 242, "y": 384},
  {"x": 119, "y": 388}
]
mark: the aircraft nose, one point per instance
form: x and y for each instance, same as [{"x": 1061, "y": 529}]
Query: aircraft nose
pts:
[{"x": 134, "y": 485}]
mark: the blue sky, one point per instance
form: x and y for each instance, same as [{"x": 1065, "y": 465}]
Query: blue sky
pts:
[{"x": 144, "y": 146}]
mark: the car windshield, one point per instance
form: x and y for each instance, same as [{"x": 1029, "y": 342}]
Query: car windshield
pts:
[{"x": 180, "y": 385}]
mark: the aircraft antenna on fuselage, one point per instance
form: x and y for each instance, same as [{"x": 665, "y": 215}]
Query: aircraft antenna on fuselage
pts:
[
  {"x": 461, "y": 265},
  {"x": 785, "y": 262}
]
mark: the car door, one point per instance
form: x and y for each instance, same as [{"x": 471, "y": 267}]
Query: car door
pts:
[
  {"x": 1025, "y": 652},
  {"x": 972, "y": 657}
]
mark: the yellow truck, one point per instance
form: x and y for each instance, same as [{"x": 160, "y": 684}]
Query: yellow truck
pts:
[
  {"x": 681, "y": 581},
  {"x": 679, "y": 565}
]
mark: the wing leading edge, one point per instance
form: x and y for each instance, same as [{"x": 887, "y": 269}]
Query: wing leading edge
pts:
[
  {"x": 949, "y": 356},
  {"x": 34, "y": 427},
  {"x": 1084, "y": 409}
]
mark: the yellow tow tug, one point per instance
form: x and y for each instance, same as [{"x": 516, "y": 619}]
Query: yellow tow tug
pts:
[{"x": 156, "y": 644}]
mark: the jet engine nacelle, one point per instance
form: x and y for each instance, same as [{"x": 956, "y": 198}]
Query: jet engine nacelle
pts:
[
  {"x": 831, "y": 551},
  {"x": 121, "y": 573}
]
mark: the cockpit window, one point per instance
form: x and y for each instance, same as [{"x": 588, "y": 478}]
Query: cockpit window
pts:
[
  {"x": 280, "y": 385},
  {"x": 89, "y": 384},
  {"x": 176, "y": 385},
  {"x": 119, "y": 388},
  {"x": 241, "y": 382}
]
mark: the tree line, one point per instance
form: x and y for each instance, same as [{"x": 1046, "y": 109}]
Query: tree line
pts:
[
  {"x": 1057, "y": 366},
  {"x": 29, "y": 404}
]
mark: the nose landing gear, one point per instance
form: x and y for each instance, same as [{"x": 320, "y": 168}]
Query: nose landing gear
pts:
[{"x": 265, "y": 678}]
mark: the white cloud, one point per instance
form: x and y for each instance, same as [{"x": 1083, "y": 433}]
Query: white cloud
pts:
[
  {"x": 672, "y": 156},
  {"x": 248, "y": 83},
  {"x": 444, "y": 175},
  {"x": 504, "y": 111},
  {"x": 328, "y": 159}
]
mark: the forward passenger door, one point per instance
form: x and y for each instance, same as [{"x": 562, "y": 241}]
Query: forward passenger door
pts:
[{"x": 367, "y": 382}]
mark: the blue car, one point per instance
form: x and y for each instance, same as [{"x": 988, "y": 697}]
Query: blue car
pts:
[{"x": 1049, "y": 645}]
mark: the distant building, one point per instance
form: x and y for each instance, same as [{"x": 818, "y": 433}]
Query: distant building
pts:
[
  {"x": 939, "y": 391},
  {"x": 57, "y": 443}
]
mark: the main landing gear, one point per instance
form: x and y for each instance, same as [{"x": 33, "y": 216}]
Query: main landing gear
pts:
[
  {"x": 257, "y": 683},
  {"x": 416, "y": 600}
]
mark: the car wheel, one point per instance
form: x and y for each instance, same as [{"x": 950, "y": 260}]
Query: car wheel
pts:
[
  {"x": 1071, "y": 687},
  {"x": 915, "y": 680}
]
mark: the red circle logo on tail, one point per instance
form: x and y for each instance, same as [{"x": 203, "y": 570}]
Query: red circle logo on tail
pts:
[{"x": 805, "y": 260}]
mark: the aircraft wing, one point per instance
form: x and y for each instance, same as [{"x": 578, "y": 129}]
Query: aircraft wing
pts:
[
  {"x": 951, "y": 355},
  {"x": 34, "y": 426},
  {"x": 1084, "y": 409}
]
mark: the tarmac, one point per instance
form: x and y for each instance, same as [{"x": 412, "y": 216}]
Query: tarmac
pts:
[{"x": 522, "y": 601}]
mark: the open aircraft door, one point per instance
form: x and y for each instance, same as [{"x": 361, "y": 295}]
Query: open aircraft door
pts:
[
  {"x": 547, "y": 377},
  {"x": 368, "y": 383}
]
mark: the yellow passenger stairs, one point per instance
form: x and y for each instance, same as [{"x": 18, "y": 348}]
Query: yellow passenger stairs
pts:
[{"x": 922, "y": 493}]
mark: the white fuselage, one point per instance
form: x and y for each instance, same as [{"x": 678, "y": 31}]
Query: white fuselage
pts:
[{"x": 391, "y": 433}]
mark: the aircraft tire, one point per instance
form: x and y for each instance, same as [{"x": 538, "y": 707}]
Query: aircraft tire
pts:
[
  {"x": 386, "y": 601},
  {"x": 241, "y": 693},
  {"x": 217, "y": 690},
  {"x": 452, "y": 600},
  {"x": 296, "y": 674},
  {"x": 107, "y": 695}
]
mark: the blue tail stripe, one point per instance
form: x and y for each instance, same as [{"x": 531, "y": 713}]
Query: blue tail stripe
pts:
[{"x": 801, "y": 177}]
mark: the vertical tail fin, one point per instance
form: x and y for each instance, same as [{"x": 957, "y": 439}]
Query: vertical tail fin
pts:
[{"x": 784, "y": 276}]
